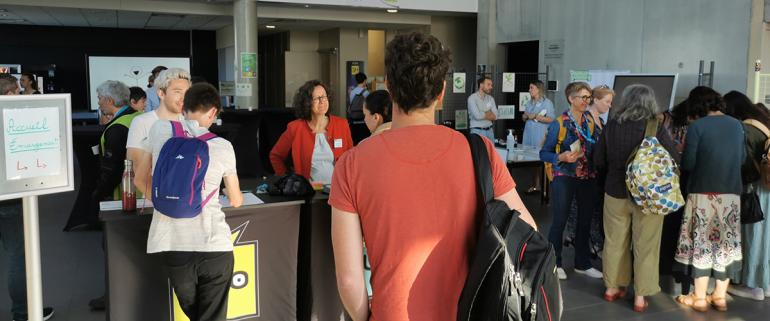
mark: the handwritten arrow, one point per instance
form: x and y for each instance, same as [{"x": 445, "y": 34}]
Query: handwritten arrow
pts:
[{"x": 19, "y": 167}]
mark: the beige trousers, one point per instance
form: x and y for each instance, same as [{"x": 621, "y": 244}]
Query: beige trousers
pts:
[{"x": 629, "y": 231}]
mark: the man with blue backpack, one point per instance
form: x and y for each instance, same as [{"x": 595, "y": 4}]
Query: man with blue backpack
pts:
[{"x": 188, "y": 227}]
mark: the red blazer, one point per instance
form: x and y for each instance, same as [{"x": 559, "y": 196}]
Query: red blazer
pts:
[{"x": 300, "y": 141}]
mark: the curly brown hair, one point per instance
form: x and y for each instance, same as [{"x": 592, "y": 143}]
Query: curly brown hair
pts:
[
  {"x": 416, "y": 66},
  {"x": 303, "y": 99}
]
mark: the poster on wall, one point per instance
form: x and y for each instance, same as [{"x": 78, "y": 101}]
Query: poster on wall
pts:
[
  {"x": 509, "y": 82},
  {"x": 506, "y": 112},
  {"x": 458, "y": 83},
  {"x": 524, "y": 98},
  {"x": 461, "y": 119},
  {"x": 248, "y": 65}
]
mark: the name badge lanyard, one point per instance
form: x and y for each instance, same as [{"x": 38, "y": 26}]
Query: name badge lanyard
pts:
[{"x": 585, "y": 133}]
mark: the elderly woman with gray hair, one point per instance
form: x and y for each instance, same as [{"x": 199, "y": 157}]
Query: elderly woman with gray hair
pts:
[{"x": 629, "y": 231}]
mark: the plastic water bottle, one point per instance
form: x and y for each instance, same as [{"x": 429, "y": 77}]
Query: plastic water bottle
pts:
[{"x": 510, "y": 144}]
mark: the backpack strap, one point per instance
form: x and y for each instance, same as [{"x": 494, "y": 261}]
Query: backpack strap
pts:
[
  {"x": 208, "y": 198},
  {"x": 651, "y": 130},
  {"x": 758, "y": 125},
  {"x": 562, "y": 133},
  {"x": 481, "y": 168},
  {"x": 177, "y": 128},
  {"x": 207, "y": 136}
]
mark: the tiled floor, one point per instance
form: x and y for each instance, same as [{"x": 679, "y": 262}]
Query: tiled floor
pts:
[{"x": 73, "y": 274}]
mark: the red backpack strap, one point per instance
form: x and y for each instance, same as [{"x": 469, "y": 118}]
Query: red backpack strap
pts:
[
  {"x": 207, "y": 136},
  {"x": 178, "y": 130}
]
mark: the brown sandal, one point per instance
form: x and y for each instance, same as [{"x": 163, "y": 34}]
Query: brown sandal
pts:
[
  {"x": 719, "y": 304},
  {"x": 692, "y": 301}
]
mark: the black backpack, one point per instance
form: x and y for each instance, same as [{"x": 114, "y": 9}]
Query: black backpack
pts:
[
  {"x": 356, "y": 107},
  {"x": 290, "y": 185},
  {"x": 513, "y": 269}
]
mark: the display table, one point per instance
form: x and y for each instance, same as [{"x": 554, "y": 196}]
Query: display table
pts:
[
  {"x": 282, "y": 249},
  {"x": 529, "y": 157}
]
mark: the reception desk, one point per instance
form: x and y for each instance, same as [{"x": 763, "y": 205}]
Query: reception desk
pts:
[{"x": 283, "y": 261}]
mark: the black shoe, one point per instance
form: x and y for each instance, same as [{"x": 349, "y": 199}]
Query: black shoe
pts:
[
  {"x": 47, "y": 314},
  {"x": 97, "y": 304}
]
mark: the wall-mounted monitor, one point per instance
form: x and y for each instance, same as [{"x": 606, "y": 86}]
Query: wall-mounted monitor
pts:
[
  {"x": 664, "y": 86},
  {"x": 132, "y": 71}
]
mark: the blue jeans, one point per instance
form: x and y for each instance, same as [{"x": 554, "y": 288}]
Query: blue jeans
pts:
[
  {"x": 488, "y": 133},
  {"x": 12, "y": 236},
  {"x": 563, "y": 190}
]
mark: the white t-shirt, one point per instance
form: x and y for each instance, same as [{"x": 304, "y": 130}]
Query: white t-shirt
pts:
[
  {"x": 322, "y": 163},
  {"x": 140, "y": 128},
  {"x": 207, "y": 232}
]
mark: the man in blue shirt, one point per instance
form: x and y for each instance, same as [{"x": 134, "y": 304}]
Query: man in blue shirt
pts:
[
  {"x": 360, "y": 88},
  {"x": 153, "y": 101}
]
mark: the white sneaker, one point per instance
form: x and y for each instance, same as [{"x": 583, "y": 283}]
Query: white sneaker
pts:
[
  {"x": 593, "y": 273},
  {"x": 562, "y": 275},
  {"x": 746, "y": 292},
  {"x": 767, "y": 293}
]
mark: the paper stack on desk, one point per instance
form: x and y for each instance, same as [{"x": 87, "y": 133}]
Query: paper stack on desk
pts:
[{"x": 248, "y": 199}]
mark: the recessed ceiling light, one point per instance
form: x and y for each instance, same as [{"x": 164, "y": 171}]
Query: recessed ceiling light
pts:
[
  {"x": 3, "y": 10},
  {"x": 392, "y": 10},
  {"x": 3, "y": 14},
  {"x": 307, "y": 6},
  {"x": 270, "y": 27}
]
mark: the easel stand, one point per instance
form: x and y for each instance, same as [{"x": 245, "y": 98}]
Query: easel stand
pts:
[{"x": 32, "y": 259}]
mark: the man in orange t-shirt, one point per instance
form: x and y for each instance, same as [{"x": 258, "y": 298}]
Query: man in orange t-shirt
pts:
[{"x": 410, "y": 193}]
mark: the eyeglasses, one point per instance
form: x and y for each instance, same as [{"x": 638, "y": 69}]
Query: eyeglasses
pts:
[
  {"x": 603, "y": 87},
  {"x": 321, "y": 99},
  {"x": 584, "y": 98}
]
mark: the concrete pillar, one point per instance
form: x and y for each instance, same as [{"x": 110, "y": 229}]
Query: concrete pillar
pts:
[
  {"x": 486, "y": 44},
  {"x": 245, "y": 27}
]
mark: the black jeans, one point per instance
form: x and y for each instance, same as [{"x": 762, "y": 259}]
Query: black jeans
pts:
[
  {"x": 201, "y": 281},
  {"x": 563, "y": 190},
  {"x": 12, "y": 237}
]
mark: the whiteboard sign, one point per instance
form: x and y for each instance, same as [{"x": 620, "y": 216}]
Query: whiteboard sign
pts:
[
  {"x": 36, "y": 152},
  {"x": 132, "y": 71},
  {"x": 32, "y": 142}
]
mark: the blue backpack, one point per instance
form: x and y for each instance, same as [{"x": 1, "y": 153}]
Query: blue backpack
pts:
[{"x": 178, "y": 178}]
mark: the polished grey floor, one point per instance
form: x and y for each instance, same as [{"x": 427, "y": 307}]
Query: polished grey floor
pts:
[{"x": 73, "y": 273}]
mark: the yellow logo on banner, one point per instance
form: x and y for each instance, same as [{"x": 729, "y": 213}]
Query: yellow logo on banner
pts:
[
  {"x": 355, "y": 69},
  {"x": 243, "y": 299}
]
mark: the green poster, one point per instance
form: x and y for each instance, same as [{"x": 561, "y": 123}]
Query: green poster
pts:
[{"x": 248, "y": 65}]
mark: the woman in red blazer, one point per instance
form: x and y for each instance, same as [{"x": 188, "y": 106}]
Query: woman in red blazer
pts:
[{"x": 316, "y": 140}]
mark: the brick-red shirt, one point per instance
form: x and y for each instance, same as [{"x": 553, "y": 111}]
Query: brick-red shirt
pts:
[
  {"x": 414, "y": 190},
  {"x": 300, "y": 141}
]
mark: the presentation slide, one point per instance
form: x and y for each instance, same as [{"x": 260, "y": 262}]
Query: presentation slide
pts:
[{"x": 132, "y": 71}]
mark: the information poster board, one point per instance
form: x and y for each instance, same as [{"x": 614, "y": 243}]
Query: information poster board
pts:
[
  {"x": 36, "y": 146},
  {"x": 248, "y": 65}
]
